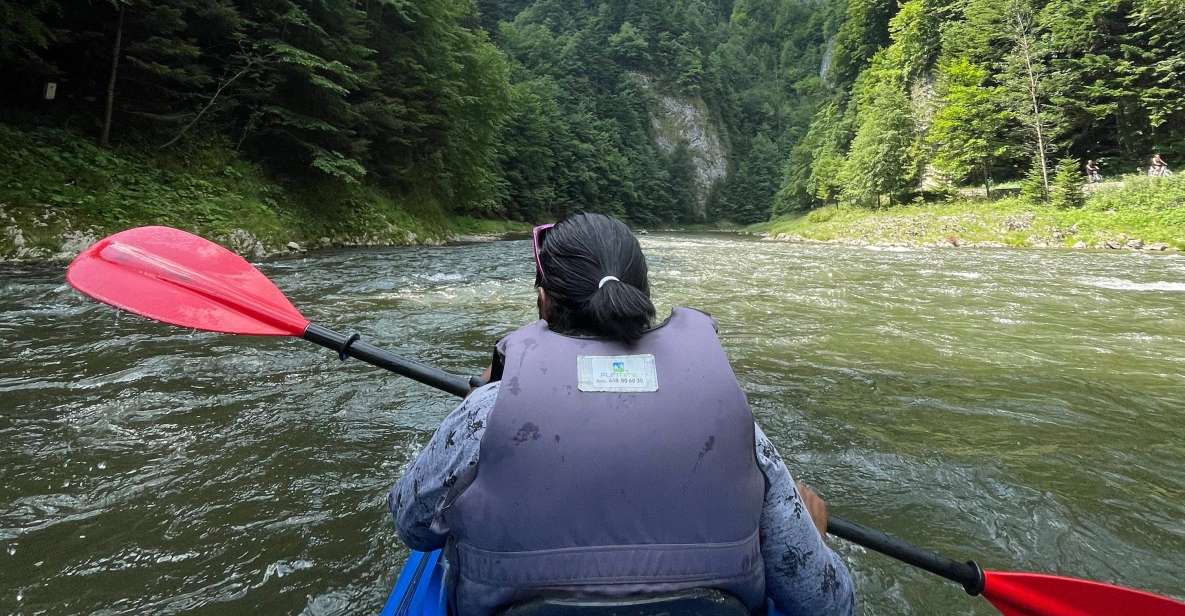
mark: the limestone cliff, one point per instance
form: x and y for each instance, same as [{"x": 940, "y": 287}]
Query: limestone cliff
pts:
[{"x": 681, "y": 118}]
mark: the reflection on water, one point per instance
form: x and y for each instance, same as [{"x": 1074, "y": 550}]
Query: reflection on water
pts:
[{"x": 1018, "y": 407}]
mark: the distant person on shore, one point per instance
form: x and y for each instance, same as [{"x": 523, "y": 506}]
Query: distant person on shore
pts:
[
  {"x": 1158, "y": 168},
  {"x": 1092, "y": 172}
]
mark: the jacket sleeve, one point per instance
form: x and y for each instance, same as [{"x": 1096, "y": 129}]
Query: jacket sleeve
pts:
[
  {"x": 417, "y": 499},
  {"x": 802, "y": 575}
]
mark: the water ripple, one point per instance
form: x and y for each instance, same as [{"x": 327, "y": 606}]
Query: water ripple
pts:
[{"x": 1019, "y": 407}]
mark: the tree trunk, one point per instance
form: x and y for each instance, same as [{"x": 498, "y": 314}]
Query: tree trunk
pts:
[
  {"x": 209, "y": 104},
  {"x": 105, "y": 139},
  {"x": 987, "y": 182},
  {"x": 1032, "y": 84}
]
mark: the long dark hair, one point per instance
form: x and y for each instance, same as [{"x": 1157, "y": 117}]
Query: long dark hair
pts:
[{"x": 576, "y": 255}]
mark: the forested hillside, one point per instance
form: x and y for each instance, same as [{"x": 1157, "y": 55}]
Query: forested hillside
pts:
[
  {"x": 933, "y": 92},
  {"x": 580, "y": 130},
  {"x": 530, "y": 109},
  {"x": 402, "y": 94},
  {"x": 519, "y": 109}
]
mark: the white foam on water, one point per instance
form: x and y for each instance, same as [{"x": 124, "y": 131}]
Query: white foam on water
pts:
[
  {"x": 445, "y": 277},
  {"x": 1120, "y": 284},
  {"x": 889, "y": 248}
]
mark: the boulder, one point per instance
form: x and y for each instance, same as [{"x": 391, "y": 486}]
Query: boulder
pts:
[
  {"x": 1079, "y": 245},
  {"x": 1135, "y": 244},
  {"x": 74, "y": 242},
  {"x": 1159, "y": 247},
  {"x": 245, "y": 244},
  {"x": 1112, "y": 245},
  {"x": 293, "y": 246},
  {"x": 1020, "y": 222}
]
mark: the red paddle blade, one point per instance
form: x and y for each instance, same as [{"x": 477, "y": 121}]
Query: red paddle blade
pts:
[
  {"x": 1034, "y": 594},
  {"x": 180, "y": 278}
]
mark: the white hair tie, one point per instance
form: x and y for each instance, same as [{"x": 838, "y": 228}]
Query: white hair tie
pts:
[{"x": 607, "y": 279}]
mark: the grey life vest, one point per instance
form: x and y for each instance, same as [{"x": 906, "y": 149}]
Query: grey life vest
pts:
[{"x": 604, "y": 471}]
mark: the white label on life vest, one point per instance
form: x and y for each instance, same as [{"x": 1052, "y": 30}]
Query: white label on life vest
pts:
[{"x": 617, "y": 373}]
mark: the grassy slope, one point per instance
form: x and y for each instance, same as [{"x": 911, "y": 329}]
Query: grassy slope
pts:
[
  {"x": 1149, "y": 209},
  {"x": 55, "y": 186}
]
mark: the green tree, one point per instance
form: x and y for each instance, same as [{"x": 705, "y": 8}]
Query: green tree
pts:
[
  {"x": 1160, "y": 68},
  {"x": 24, "y": 34},
  {"x": 1026, "y": 74},
  {"x": 747, "y": 195},
  {"x": 530, "y": 153},
  {"x": 966, "y": 129},
  {"x": 1032, "y": 186},
  {"x": 1067, "y": 185},
  {"x": 864, "y": 32},
  {"x": 629, "y": 46},
  {"x": 681, "y": 176},
  {"x": 879, "y": 161},
  {"x": 811, "y": 175}
]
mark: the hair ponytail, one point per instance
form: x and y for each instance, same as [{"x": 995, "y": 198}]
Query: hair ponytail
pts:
[
  {"x": 620, "y": 311},
  {"x": 578, "y": 255}
]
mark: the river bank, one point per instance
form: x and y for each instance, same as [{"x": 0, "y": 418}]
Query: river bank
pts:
[
  {"x": 1142, "y": 214},
  {"x": 59, "y": 193}
]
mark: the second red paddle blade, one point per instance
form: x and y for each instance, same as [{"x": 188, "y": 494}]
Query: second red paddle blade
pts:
[
  {"x": 179, "y": 278},
  {"x": 1035, "y": 594}
]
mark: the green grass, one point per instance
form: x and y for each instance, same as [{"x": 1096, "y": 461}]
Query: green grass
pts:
[
  {"x": 55, "y": 184},
  {"x": 1149, "y": 209}
]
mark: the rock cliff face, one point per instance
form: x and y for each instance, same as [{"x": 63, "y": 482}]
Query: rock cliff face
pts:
[
  {"x": 687, "y": 119},
  {"x": 825, "y": 63}
]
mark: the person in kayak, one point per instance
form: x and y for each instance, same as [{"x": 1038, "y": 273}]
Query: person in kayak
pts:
[{"x": 609, "y": 456}]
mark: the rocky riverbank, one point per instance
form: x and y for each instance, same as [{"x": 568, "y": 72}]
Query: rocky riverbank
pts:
[
  {"x": 59, "y": 194},
  {"x": 54, "y": 237}
]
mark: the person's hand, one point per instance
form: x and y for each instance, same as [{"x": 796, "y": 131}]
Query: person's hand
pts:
[
  {"x": 485, "y": 378},
  {"x": 816, "y": 506}
]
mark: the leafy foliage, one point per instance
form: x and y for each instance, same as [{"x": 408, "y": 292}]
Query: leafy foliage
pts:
[
  {"x": 966, "y": 131},
  {"x": 1067, "y": 185},
  {"x": 997, "y": 89},
  {"x": 532, "y": 109},
  {"x": 879, "y": 160},
  {"x": 404, "y": 93}
]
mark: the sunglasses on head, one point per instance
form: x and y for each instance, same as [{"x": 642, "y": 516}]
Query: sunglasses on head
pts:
[{"x": 536, "y": 243}]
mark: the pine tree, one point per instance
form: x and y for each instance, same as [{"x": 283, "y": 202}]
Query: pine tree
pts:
[
  {"x": 748, "y": 192},
  {"x": 880, "y": 159},
  {"x": 681, "y": 176},
  {"x": 24, "y": 34},
  {"x": 1067, "y": 185},
  {"x": 1032, "y": 186}
]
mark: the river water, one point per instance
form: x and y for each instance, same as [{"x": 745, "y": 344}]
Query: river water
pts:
[{"x": 1023, "y": 408}]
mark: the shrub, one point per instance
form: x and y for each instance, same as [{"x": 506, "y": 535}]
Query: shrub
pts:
[
  {"x": 1066, "y": 191},
  {"x": 1032, "y": 188},
  {"x": 821, "y": 215}
]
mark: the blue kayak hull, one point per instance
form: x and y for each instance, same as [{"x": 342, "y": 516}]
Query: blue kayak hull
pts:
[{"x": 419, "y": 591}]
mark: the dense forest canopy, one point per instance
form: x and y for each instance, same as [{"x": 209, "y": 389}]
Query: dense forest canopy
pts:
[
  {"x": 531, "y": 109},
  {"x": 937, "y": 92}
]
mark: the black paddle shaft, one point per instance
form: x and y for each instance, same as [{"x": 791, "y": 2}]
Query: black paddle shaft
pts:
[
  {"x": 350, "y": 345},
  {"x": 968, "y": 574}
]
